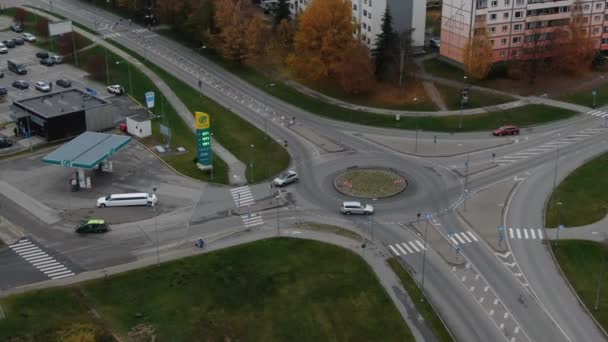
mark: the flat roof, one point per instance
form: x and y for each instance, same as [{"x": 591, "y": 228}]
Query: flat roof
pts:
[
  {"x": 87, "y": 150},
  {"x": 60, "y": 103}
]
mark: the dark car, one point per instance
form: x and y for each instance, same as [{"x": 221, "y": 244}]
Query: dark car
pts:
[
  {"x": 506, "y": 130},
  {"x": 19, "y": 41},
  {"x": 16, "y": 28},
  {"x": 92, "y": 226},
  {"x": 9, "y": 43},
  {"x": 63, "y": 83},
  {"x": 47, "y": 62},
  {"x": 5, "y": 143},
  {"x": 42, "y": 54},
  {"x": 20, "y": 84},
  {"x": 3, "y": 91}
]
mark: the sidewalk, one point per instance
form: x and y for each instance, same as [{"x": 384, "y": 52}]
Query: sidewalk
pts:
[
  {"x": 597, "y": 231},
  {"x": 236, "y": 168}
]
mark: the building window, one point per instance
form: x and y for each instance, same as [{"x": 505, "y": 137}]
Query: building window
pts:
[
  {"x": 364, "y": 25},
  {"x": 505, "y": 15},
  {"x": 502, "y": 53},
  {"x": 354, "y": 7},
  {"x": 597, "y": 18},
  {"x": 598, "y": 5},
  {"x": 519, "y": 14},
  {"x": 604, "y": 40},
  {"x": 370, "y": 3},
  {"x": 507, "y": 2},
  {"x": 586, "y": 7},
  {"x": 369, "y": 28},
  {"x": 516, "y": 40},
  {"x": 514, "y": 52},
  {"x": 605, "y": 29},
  {"x": 519, "y": 2},
  {"x": 369, "y": 14},
  {"x": 596, "y": 30},
  {"x": 491, "y": 42},
  {"x": 503, "y": 41},
  {"x": 492, "y": 29},
  {"x": 493, "y": 16},
  {"x": 585, "y": 20},
  {"x": 365, "y": 13},
  {"x": 505, "y": 28},
  {"x": 517, "y": 27},
  {"x": 494, "y": 3}
]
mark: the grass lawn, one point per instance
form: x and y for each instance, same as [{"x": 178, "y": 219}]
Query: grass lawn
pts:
[
  {"x": 582, "y": 264},
  {"x": 327, "y": 228},
  {"x": 271, "y": 290},
  {"x": 584, "y": 97},
  {"x": 234, "y": 133},
  {"x": 442, "y": 69},
  {"x": 440, "y": 331},
  {"x": 370, "y": 183},
  {"x": 582, "y": 194},
  {"x": 451, "y": 97}
]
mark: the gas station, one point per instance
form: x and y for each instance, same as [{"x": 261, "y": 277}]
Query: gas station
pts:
[{"x": 90, "y": 150}]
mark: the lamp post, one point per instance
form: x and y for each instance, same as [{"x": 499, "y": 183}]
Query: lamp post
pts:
[
  {"x": 426, "y": 227},
  {"x": 156, "y": 224},
  {"x": 555, "y": 173},
  {"x": 266, "y": 111},
  {"x": 252, "y": 162},
  {"x": 129, "y": 72},
  {"x": 416, "y": 142},
  {"x": 278, "y": 225},
  {"x": 107, "y": 67},
  {"x": 559, "y": 220},
  {"x": 464, "y": 84},
  {"x": 200, "y": 71}
]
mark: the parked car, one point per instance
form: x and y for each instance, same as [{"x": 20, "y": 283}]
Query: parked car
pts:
[
  {"x": 28, "y": 37},
  {"x": 56, "y": 59},
  {"x": 16, "y": 28},
  {"x": 92, "y": 226},
  {"x": 5, "y": 143},
  {"x": 47, "y": 62},
  {"x": 506, "y": 130},
  {"x": 42, "y": 54},
  {"x": 20, "y": 84},
  {"x": 286, "y": 178},
  {"x": 63, "y": 83},
  {"x": 19, "y": 41},
  {"x": 3, "y": 91},
  {"x": 42, "y": 86},
  {"x": 356, "y": 208},
  {"x": 9, "y": 43},
  {"x": 116, "y": 89},
  {"x": 3, "y": 48}
]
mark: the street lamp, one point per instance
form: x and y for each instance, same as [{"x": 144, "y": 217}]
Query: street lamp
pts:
[
  {"x": 252, "y": 162},
  {"x": 107, "y": 68},
  {"x": 278, "y": 225},
  {"x": 464, "y": 84},
  {"x": 200, "y": 71},
  {"x": 416, "y": 143},
  {"x": 266, "y": 111},
  {"x": 555, "y": 173},
  {"x": 156, "y": 224},
  {"x": 426, "y": 227},
  {"x": 129, "y": 72},
  {"x": 559, "y": 220}
]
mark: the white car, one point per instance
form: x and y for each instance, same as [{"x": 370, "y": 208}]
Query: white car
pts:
[
  {"x": 3, "y": 48},
  {"x": 356, "y": 208},
  {"x": 116, "y": 89},
  {"x": 29, "y": 37},
  {"x": 56, "y": 59},
  {"x": 286, "y": 178},
  {"x": 42, "y": 86}
]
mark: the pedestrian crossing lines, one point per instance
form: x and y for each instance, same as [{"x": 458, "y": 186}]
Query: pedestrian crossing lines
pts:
[
  {"x": 111, "y": 35},
  {"x": 598, "y": 113},
  {"x": 526, "y": 234},
  {"x": 242, "y": 196},
  {"x": 547, "y": 147},
  {"x": 461, "y": 238},
  {"x": 252, "y": 220},
  {"x": 41, "y": 260},
  {"x": 406, "y": 248},
  {"x": 141, "y": 30}
]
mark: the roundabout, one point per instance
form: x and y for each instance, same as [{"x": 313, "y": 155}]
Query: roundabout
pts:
[{"x": 370, "y": 183}]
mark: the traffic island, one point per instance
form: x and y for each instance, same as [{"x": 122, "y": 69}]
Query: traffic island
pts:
[{"x": 370, "y": 183}]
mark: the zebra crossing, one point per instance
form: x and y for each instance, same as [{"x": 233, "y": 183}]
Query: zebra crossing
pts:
[
  {"x": 405, "y": 248},
  {"x": 111, "y": 35},
  {"x": 526, "y": 234},
  {"x": 598, "y": 113},
  {"x": 140, "y": 30},
  {"x": 550, "y": 146},
  {"x": 243, "y": 197},
  {"x": 461, "y": 238},
  {"x": 40, "y": 259}
]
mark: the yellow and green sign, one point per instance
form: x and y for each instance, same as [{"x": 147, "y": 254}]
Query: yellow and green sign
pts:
[{"x": 203, "y": 138}]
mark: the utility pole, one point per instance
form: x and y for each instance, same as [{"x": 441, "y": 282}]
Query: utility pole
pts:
[
  {"x": 156, "y": 224},
  {"x": 278, "y": 225},
  {"x": 426, "y": 227},
  {"x": 466, "y": 181}
]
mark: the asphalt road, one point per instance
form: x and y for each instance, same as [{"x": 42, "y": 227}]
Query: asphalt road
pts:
[{"x": 530, "y": 314}]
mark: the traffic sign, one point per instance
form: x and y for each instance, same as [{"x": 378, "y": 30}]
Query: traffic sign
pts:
[{"x": 150, "y": 99}]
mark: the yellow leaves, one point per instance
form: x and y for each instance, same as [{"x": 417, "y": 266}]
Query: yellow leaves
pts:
[{"x": 478, "y": 56}]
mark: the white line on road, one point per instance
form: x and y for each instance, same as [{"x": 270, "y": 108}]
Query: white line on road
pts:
[
  {"x": 485, "y": 289},
  {"x": 532, "y": 233},
  {"x": 495, "y": 301},
  {"x": 491, "y": 312},
  {"x": 540, "y": 233},
  {"x": 525, "y": 233},
  {"x": 518, "y": 233},
  {"x": 472, "y": 235},
  {"x": 406, "y": 247},
  {"x": 394, "y": 250},
  {"x": 464, "y": 235},
  {"x": 453, "y": 240},
  {"x": 511, "y": 232},
  {"x": 401, "y": 249},
  {"x": 481, "y": 300},
  {"x": 414, "y": 246},
  {"x": 420, "y": 244},
  {"x": 459, "y": 238},
  {"x": 63, "y": 276}
]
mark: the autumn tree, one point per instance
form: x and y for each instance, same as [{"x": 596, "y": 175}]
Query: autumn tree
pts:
[
  {"x": 576, "y": 49},
  {"x": 239, "y": 30},
  {"x": 540, "y": 44},
  {"x": 323, "y": 39},
  {"x": 356, "y": 73},
  {"x": 42, "y": 26},
  {"x": 478, "y": 55},
  {"x": 20, "y": 14},
  {"x": 386, "y": 50},
  {"x": 282, "y": 12}
]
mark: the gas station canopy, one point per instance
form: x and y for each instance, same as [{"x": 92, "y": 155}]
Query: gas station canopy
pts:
[{"x": 87, "y": 150}]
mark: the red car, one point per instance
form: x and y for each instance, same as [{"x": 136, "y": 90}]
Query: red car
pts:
[{"x": 506, "y": 130}]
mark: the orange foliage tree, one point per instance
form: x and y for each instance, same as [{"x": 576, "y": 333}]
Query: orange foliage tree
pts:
[
  {"x": 239, "y": 30},
  {"x": 478, "y": 56},
  {"x": 357, "y": 71},
  {"x": 576, "y": 49},
  {"x": 323, "y": 39}
]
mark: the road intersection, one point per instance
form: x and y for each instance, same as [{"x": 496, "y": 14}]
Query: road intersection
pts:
[{"x": 485, "y": 289}]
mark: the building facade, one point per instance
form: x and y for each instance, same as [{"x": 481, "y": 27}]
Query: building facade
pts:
[
  {"x": 512, "y": 26},
  {"x": 407, "y": 15}
]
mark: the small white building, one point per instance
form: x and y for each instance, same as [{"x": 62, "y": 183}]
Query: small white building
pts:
[
  {"x": 139, "y": 125},
  {"x": 407, "y": 15}
]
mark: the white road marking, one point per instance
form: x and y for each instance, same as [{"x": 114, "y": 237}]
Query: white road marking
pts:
[
  {"x": 540, "y": 233},
  {"x": 414, "y": 246},
  {"x": 420, "y": 244},
  {"x": 453, "y": 240},
  {"x": 464, "y": 235},
  {"x": 481, "y": 299},
  {"x": 518, "y": 233},
  {"x": 459, "y": 238},
  {"x": 406, "y": 247},
  {"x": 472, "y": 235},
  {"x": 394, "y": 250},
  {"x": 485, "y": 289},
  {"x": 495, "y": 301},
  {"x": 532, "y": 233},
  {"x": 401, "y": 249},
  {"x": 511, "y": 232},
  {"x": 525, "y": 233}
]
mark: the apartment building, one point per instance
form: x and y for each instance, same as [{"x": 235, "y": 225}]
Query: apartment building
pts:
[
  {"x": 407, "y": 14},
  {"x": 510, "y": 24}
]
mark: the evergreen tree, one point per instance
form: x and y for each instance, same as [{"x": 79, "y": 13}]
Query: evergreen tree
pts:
[
  {"x": 282, "y": 12},
  {"x": 387, "y": 46}
]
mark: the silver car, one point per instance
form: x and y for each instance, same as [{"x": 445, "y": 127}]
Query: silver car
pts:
[
  {"x": 356, "y": 208},
  {"x": 286, "y": 178}
]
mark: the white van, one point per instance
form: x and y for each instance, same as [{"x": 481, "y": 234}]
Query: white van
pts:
[{"x": 122, "y": 200}]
